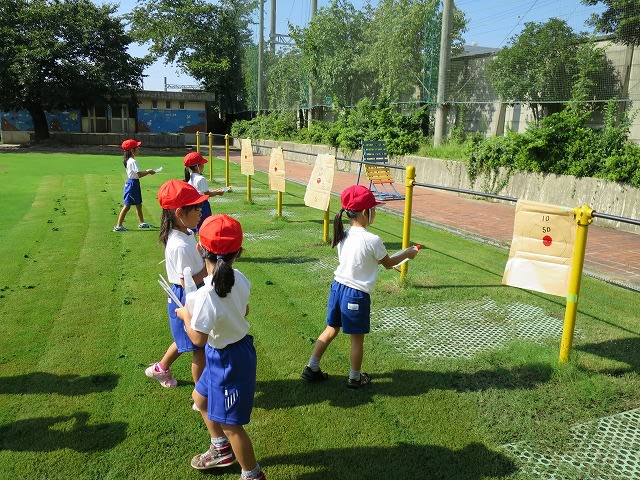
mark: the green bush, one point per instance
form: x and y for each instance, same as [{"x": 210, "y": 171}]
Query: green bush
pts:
[{"x": 562, "y": 143}]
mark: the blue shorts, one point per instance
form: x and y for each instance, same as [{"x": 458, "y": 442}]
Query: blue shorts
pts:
[
  {"x": 204, "y": 213},
  {"x": 349, "y": 308},
  {"x": 178, "y": 331},
  {"x": 132, "y": 192},
  {"x": 229, "y": 382}
]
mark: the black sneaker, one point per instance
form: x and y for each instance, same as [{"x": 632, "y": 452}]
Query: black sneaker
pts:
[
  {"x": 313, "y": 376},
  {"x": 364, "y": 379}
]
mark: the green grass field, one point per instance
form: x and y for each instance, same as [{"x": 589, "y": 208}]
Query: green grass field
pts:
[{"x": 455, "y": 379}]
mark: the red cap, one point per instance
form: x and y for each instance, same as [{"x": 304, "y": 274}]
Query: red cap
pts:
[
  {"x": 221, "y": 234},
  {"x": 130, "y": 144},
  {"x": 358, "y": 197},
  {"x": 193, "y": 158},
  {"x": 176, "y": 193}
]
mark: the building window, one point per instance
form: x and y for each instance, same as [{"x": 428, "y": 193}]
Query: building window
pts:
[
  {"x": 168, "y": 104},
  {"x": 181, "y": 105},
  {"x": 154, "y": 104}
]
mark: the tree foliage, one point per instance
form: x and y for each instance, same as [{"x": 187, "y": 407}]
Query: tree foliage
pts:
[
  {"x": 542, "y": 65},
  {"x": 620, "y": 18},
  {"x": 63, "y": 53},
  {"x": 206, "y": 40}
]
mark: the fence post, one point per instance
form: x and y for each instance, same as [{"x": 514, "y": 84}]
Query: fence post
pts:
[
  {"x": 406, "y": 227},
  {"x": 210, "y": 156},
  {"x": 325, "y": 226},
  {"x": 197, "y": 141},
  {"x": 279, "y": 205},
  {"x": 226, "y": 159},
  {"x": 584, "y": 216}
]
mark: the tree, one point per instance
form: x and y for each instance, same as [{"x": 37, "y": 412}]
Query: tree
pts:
[
  {"x": 621, "y": 18},
  {"x": 330, "y": 47},
  {"x": 61, "y": 54},
  {"x": 207, "y": 41},
  {"x": 541, "y": 66}
]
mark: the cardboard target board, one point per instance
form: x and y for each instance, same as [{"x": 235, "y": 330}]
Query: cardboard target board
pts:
[
  {"x": 318, "y": 194},
  {"x": 246, "y": 154},
  {"x": 276, "y": 170},
  {"x": 541, "y": 249}
]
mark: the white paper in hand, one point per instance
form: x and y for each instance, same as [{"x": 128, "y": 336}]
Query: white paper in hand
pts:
[{"x": 157, "y": 170}]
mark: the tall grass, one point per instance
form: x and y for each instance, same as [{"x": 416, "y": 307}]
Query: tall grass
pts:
[{"x": 82, "y": 316}]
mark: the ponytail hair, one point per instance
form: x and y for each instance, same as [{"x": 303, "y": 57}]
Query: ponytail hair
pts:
[
  {"x": 126, "y": 156},
  {"x": 338, "y": 228},
  {"x": 167, "y": 223},
  {"x": 223, "y": 277},
  {"x": 187, "y": 173}
]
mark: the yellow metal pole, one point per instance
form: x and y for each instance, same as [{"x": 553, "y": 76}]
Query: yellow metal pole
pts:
[
  {"x": 210, "y": 156},
  {"x": 279, "y": 205},
  {"x": 198, "y": 142},
  {"x": 584, "y": 216},
  {"x": 249, "y": 188},
  {"x": 408, "y": 204},
  {"x": 226, "y": 159},
  {"x": 325, "y": 227}
]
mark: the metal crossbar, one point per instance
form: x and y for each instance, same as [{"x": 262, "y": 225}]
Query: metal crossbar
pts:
[{"x": 376, "y": 159}]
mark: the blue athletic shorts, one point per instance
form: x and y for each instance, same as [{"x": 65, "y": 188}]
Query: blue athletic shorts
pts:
[
  {"x": 349, "y": 308},
  {"x": 229, "y": 382},
  {"x": 204, "y": 213},
  {"x": 132, "y": 192},
  {"x": 178, "y": 331}
]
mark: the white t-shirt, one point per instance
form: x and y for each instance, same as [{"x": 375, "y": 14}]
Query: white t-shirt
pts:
[
  {"x": 223, "y": 318},
  {"x": 180, "y": 252},
  {"x": 132, "y": 169},
  {"x": 359, "y": 254},
  {"x": 198, "y": 182}
]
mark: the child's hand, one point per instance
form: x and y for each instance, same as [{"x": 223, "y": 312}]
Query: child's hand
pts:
[
  {"x": 183, "y": 314},
  {"x": 412, "y": 252}
]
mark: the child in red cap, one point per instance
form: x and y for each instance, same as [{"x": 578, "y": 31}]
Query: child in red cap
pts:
[
  {"x": 180, "y": 204},
  {"x": 132, "y": 191},
  {"x": 215, "y": 315},
  {"x": 359, "y": 252},
  {"x": 193, "y": 165}
]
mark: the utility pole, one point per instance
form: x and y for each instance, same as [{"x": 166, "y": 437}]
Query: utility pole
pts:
[
  {"x": 272, "y": 31},
  {"x": 260, "y": 49},
  {"x": 314, "y": 9},
  {"x": 445, "y": 54}
]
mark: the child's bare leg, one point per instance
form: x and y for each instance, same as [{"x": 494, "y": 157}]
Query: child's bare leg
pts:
[
  {"x": 197, "y": 365},
  {"x": 323, "y": 341},
  {"x": 170, "y": 355},
  {"x": 214, "y": 428},
  {"x": 357, "y": 351},
  {"x": 122, "y": 214},
  {"x": 139, "y": 211},
  {"x": 241, "y": 445}
]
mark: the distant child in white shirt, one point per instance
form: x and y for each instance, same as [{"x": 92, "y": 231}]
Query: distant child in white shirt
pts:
[
  {"x": 132, "y": 192},
  {"x": 193, "y": 166}
]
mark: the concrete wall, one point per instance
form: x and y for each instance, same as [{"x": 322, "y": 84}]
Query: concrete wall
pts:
[{"x": 563, "y": 190}]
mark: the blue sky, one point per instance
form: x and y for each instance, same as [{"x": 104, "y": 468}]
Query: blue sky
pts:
[{"x": 491, "y": 24}]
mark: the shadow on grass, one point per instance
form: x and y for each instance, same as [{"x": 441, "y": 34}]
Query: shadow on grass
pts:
[
  {"x": 399, "y": 383},
  {"x": 475, "y": 461},
  {"x": 43, "y": 382},
  {"x": 625, "y": 350},
  {"x": 55, "y": 433}
]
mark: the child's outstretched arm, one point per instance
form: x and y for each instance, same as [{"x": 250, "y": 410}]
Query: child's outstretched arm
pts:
[
  {"x": 198, "y": 338},
  {"x": 406, "y": 254}
]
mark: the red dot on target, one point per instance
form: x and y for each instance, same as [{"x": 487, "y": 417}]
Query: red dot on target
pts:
[
  {"x": 318, "y": 180},
  {"x": 547, "y": 240}
]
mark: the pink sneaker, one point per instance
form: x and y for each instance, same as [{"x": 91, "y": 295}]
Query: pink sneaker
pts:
[{"x": 163, "y": 376}]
